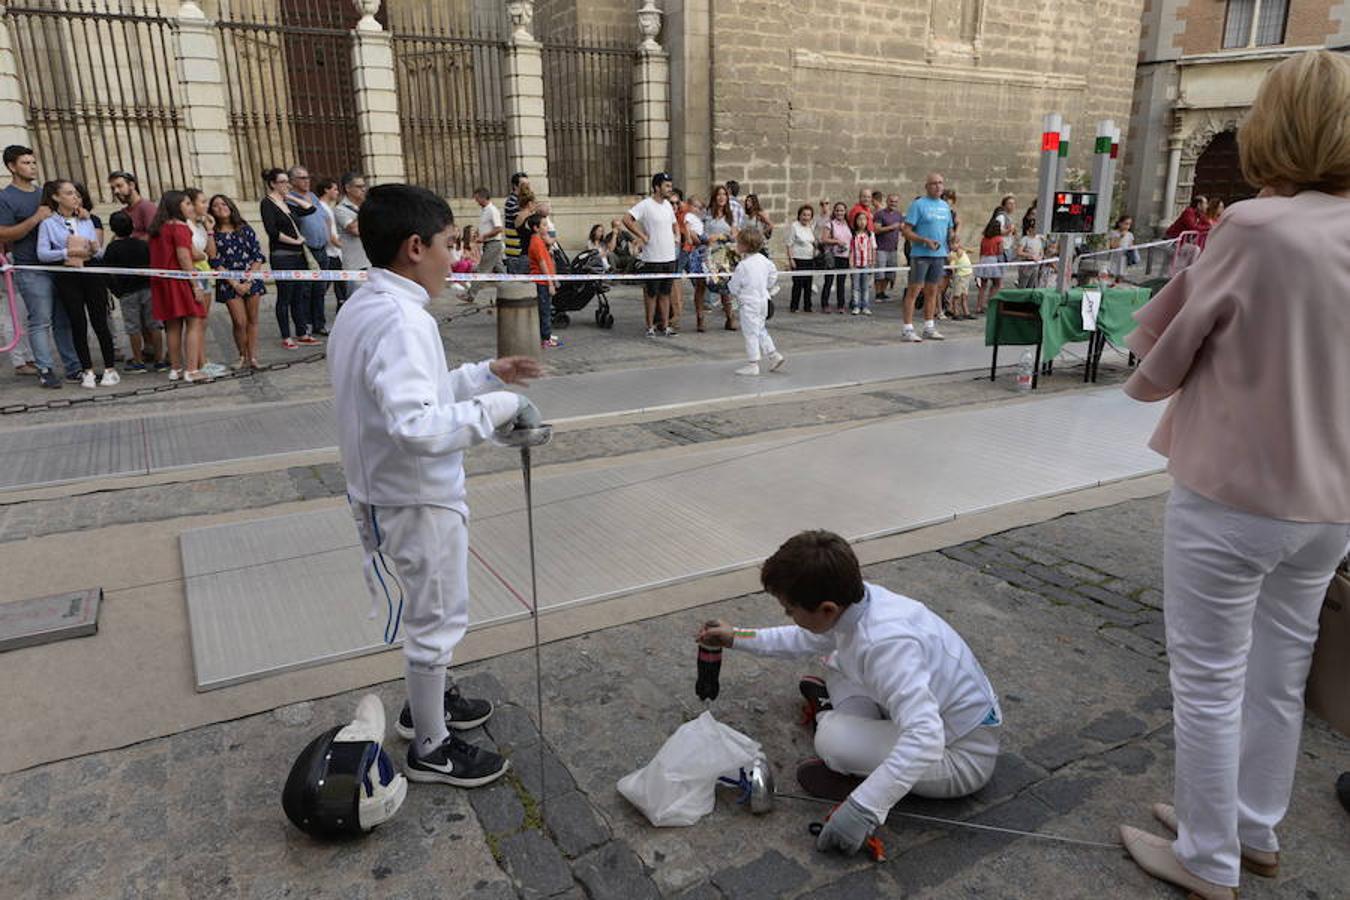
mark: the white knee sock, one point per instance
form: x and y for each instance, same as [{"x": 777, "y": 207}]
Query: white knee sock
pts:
[{"x": 426, "y": 697}]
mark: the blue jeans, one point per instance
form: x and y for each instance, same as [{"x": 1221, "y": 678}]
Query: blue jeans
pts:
[
  {"x": 318, "y": 291},
  {"x": 545, "y": 312},
  {"x": 45, "y": 315},
  {"x": 862, "y": 291}
]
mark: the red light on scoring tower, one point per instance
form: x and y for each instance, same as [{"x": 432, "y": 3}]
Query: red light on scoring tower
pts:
[{"x": 1050, "y": 142}]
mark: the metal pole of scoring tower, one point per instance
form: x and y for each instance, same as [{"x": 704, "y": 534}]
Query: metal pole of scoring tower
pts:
[
  {"x": 1101, "y": 175},
  {"x": 1045, "y": 189},
  {"x": 1062, "y": 163}
]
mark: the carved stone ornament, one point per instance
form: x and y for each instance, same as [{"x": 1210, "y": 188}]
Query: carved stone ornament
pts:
[
  {"x": 522, "y": 19},
  {"x": 368, "y": 10},
  {"x": 189, "y": 9},
  {"x": 649, "y": 25}
]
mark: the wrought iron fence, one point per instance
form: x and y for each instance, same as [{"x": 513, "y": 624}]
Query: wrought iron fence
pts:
[
  {"x": 450, "y": 66},
  {"x": 100, "y": 90},
  {"x": 288, "y": 72},
  {"x": 588, "y": 112}
]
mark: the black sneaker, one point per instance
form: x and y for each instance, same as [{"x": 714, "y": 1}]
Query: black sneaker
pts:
[
  {"x": 461, "y": 714},
  {"x": 75, "y": 377},
  {"x": 819, "y": 780},
  {"x": 456, "y": 762},
  {"x": 817, "y": 698},
  {"x": 47, "y": 378},
  {"x": 1343, "y": 790}
]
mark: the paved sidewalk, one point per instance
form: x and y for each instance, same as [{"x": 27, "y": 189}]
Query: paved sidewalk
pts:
[{"x": 1063, "y": 615}]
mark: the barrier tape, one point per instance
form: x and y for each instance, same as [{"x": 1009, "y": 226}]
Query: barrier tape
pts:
[{"x": 310, "y": 275}]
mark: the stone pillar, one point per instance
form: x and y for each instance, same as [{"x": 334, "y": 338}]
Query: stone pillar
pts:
[
  {"x": 13, "y": 118},
  {"x": 651, "y": 102},
  {"x": 1169, "y": 207},
  {"x": 376, "y": 98},
  {"x": 205, "y": 107},
  {"x": 527, "y": 146}
]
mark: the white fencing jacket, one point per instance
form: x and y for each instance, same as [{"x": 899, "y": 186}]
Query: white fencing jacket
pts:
[
  {"x": 913, "y": 664},
  {"x": 403, "y": 418},
  {"x": 754, "y": 280}
]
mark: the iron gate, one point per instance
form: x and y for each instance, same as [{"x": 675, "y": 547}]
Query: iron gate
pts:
[
  {"x": 100, "y": 92},
  {"x": 588, "y": 112},
  {"x": 451, "y": 69},
  {"x": 287, "y": 66}
]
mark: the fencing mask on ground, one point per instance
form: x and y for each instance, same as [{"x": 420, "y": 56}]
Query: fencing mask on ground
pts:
[{"x": 344, "y": 783}]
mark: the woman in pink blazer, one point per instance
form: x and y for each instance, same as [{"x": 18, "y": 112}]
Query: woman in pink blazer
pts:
[{"x": 1250, "y": 345}]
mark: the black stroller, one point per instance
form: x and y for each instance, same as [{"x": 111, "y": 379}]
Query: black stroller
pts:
[{"x": 572, "y": 296}]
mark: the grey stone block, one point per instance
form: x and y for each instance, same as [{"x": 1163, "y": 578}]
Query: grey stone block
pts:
[
  {"x": 614, "y": 872},
  {"x": 498, "y": 808},
  {"x": 1012, "y": 773},
  {"x": 963, "y": 555},
  {"x": 703, "y": 891},
  {"x": 482, "y": 686},
  {"x": 1052, "y": 752},
  {"x": 1082, "y": 573},
  {"x": 1065, "y": 793},
  {"x": 535, "y": 865},
  {"x": 1131, "y": 640},
  {"x": 867, "y": 884},
  {"x": 771, "y": 875},
  {"x": 1129, "y": 759},
  {"x": 1151, "y": 597},
  {"x": 1154, "y": 630},
  {"x": 556, "y": 778},
  {"x": 1051, "y": 576},
  {"x": 1109, "y": 598},
  {"x": 574, "y": 824},
  {"x": 956, "y": 853},
  {"x": 1114, "y": 727},
  {"x": 512, "y": 728}
]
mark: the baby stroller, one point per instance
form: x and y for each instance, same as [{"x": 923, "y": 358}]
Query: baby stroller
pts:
[{"x": 572, "y": 296}]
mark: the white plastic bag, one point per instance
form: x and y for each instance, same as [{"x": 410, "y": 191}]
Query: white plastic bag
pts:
[{"x": 678, "y": 786}]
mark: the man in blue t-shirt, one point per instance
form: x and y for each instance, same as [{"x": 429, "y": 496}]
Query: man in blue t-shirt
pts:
[{"x": 927, "y": 227}]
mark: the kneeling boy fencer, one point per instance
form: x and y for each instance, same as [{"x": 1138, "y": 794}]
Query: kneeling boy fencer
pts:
[
  {"x": 752, "y": 283},
  {"x": 404, "y": 421},
  {"x": 904, "y": 707}
]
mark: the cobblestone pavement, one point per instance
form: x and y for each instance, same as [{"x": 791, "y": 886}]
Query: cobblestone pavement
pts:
[
  {"x": 1063, "y": 615},
  {"x": 469, "y": 335}
]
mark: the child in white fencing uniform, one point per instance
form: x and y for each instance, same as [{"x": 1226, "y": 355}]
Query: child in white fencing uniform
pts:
[
  {"x": 753, "y": 282},
  {"x": 904, "y": 708},
  {"x": 404, "y": 420}
]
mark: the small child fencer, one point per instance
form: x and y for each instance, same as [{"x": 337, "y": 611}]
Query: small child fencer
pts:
[
  {"x": 404, "y": 421},
  {"x": 753, "y": 282},
  {"x": 904, "y": 707}
]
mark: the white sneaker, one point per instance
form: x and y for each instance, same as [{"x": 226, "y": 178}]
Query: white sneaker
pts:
[
  {"x": 175, "y": 374},
  {"x": 776, "y": 361},
  {"x": 853, "y": 311},
  {"x": 910, "y": 336},
  {"x": 932, "y": 334},
  {"x": 651, "y": 332},
  {"x": 215, "y": 370},
  {"x": 867, "y": 312},
  {"x": 110, "y": 378},
  {"x": 89, "y": 380},
  {"x": 748, "y": 369}
]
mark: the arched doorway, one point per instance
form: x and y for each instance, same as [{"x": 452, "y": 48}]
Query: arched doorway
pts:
[{"x": 1218, "y": 173}]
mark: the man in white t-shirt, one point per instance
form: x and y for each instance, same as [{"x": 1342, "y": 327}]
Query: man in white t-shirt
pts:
[
  {"x": 490, "y": 235},
  {"x": 652, "y": 224}
]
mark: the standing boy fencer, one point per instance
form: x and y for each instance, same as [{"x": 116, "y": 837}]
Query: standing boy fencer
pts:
[
  {"x": 904, "y": 707},
  {"x": 404, "y": 421},
  {"x": 753, "y": 282}
]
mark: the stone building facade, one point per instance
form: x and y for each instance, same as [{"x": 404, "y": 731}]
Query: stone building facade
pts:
[
  {"x": 1200, "y": 65},
  {"x": 797, "y": 101}
]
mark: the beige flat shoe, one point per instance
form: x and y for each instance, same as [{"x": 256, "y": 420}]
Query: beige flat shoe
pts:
[
  {"x": 1258, "y": 862},
  {"x": 1154, "y": 855}
]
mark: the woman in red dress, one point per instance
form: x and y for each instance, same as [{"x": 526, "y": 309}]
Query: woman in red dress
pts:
[{"x": 172, "y": 300}]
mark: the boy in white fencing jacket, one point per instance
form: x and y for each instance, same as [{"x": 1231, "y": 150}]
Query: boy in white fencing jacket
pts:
[{"x": 404, "y": 420}]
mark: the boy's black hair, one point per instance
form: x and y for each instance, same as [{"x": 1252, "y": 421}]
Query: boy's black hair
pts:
[
  {"x": 393, "y": 213},
  {"x": 517, "y": 178},
  {"x": 120, "y": 223},
  {"x": 14, "y": 151},
  {"x": 811, "y": 568}
]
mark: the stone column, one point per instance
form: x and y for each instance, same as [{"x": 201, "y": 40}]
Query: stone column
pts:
[
  {"x": 205, "y": 107},
  {"x": 527, "y": 146},
  {"x": 376, "y": 98},
  {"x": 651, "y": 102},
  {"x": 689, "y": 43},
  {"x": 13, "y": 119}
]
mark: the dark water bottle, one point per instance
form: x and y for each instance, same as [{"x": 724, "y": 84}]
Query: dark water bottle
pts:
[{"x": 709, "y": 671}]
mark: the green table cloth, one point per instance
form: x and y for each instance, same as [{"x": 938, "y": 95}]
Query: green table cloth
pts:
[{"x": 1062, "y": 317}]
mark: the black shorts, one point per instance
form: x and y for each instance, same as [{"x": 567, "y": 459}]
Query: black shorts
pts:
[{"x": 657, "y": 287}]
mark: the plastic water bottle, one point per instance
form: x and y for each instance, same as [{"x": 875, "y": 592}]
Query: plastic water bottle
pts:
[{"x": 1026, "y": 368}]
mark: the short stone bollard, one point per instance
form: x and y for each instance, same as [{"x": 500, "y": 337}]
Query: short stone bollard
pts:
[{"x": 518, "y": 319}]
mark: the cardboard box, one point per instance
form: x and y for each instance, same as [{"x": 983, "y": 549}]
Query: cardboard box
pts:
[{"x": 1329, "y": 679}]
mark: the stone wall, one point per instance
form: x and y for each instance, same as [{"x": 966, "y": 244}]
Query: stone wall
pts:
[
  {"x": 828, "y": 96},
  {"x": 1309, "y": 22}
]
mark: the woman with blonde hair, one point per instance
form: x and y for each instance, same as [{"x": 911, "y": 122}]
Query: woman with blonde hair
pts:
[{"x": 1257, "y": 438}]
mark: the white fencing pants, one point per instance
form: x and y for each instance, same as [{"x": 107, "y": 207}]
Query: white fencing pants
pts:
[
  {"x": 427, "y": 547},
  {"x": 855, "y": 739},
  {"x": 1241, "y": 597},
  {"x": 755, "y": 331}
]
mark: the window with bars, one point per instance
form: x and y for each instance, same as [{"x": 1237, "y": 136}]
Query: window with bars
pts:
[{"x": 1255, "y": 23}]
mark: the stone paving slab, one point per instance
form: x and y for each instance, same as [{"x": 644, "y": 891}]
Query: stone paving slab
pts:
[{"x": 1087, "y": 744}]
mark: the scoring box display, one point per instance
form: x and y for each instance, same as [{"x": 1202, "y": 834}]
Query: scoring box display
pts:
[{"x": 1075, "y": 212}]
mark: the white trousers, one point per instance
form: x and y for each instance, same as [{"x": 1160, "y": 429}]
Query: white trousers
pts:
[
  {"x": 855, "y": 738},
  {"x": 755, "y": 331},
  {"x": 1241, "y": 597},
  {"x": 21, "y": 353},
  {"x": 427, "y": 547}
]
